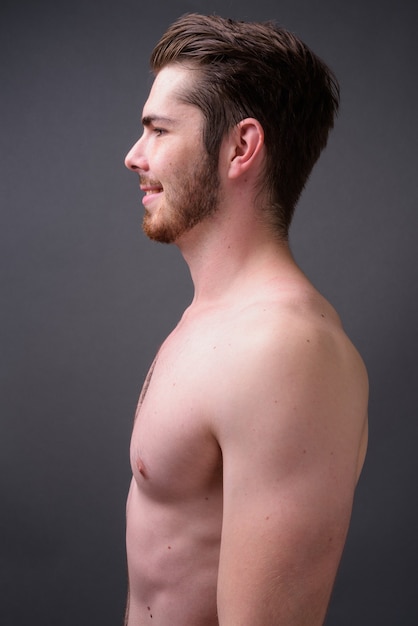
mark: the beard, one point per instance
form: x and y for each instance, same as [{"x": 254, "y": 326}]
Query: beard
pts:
[{"x": 193, "y": 197}]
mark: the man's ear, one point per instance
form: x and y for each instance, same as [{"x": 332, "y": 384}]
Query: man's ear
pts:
[{"x": 246, "y": 147}]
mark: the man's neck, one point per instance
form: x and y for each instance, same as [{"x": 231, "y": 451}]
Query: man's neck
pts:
[{"x": 226, "y": 260}]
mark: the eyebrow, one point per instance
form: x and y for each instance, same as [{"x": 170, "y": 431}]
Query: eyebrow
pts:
[{"x": 149, "y": 120}]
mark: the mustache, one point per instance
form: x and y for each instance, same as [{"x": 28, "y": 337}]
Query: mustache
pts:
[{"x": 149, "y": 182}]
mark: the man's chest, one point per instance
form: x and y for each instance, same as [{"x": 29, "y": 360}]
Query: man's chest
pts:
[{"x": 173, "y": 450}]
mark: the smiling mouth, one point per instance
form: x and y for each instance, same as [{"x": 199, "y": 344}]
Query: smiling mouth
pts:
[
  {"x": 150, "y": 192},
  {"x": 150, "y": 187}
]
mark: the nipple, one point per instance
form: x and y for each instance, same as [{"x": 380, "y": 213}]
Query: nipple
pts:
[{"x": 141, "y": 467}]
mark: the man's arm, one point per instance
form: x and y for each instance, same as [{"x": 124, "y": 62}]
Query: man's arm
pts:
[{"x": 293, "y": 440}]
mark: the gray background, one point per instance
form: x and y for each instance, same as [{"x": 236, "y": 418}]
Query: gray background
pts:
[{"x": 86, "y": 299}]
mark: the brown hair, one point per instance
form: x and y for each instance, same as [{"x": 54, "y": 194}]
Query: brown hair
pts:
[{"x": 259, "y": 70}]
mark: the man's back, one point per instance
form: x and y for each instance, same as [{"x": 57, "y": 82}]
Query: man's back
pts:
[{"x": 248, "y": 441}]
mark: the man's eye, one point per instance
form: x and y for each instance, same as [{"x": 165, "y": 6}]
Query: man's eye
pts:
[{"x": 159, "y": 131}]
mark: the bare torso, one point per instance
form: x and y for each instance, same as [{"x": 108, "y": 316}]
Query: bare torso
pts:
[
  {"x": 174, "y": 510},
  {"x": 175, "y": 503}
]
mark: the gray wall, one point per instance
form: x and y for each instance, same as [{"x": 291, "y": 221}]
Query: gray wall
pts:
[{"x": 86, "y": 299}]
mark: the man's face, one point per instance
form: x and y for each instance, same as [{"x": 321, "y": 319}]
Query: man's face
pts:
[{"x": 180, "y": 181}]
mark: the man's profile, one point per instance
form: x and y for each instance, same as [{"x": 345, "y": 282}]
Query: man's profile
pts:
[{"x": 251, "y": 428}]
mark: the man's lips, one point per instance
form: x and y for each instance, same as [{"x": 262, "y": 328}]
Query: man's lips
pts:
[
  {"x": 150, "y": 191},
  {"x": 149, "y": 185}
]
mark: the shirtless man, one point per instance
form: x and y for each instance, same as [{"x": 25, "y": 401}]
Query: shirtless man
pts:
[{"x": 251, "y": 428}]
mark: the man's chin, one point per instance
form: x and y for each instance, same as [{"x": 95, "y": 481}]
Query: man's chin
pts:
[{"x": 158, "y": 232}]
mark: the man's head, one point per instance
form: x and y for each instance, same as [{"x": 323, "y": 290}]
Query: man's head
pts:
[
  {"x": 180, "y": 181},
  {"x": 261, "y": 71}
]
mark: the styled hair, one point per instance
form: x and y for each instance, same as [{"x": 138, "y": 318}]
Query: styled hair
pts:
[{"x": 259, "y": 70}]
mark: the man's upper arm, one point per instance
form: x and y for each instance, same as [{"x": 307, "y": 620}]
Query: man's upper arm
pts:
[{"x": 290, "y": 437}]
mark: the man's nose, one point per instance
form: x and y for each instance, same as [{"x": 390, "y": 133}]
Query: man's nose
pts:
[{"x": 135, "y": 159}]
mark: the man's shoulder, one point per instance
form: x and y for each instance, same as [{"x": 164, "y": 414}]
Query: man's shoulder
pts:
[
  {"x": 273, "y": 323},
  {"x": 267, "y": 334},
  {"x": 294, "y": 337},
  {"x": 285, "y": 317},
  {"x": 290, "y": 365}
]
